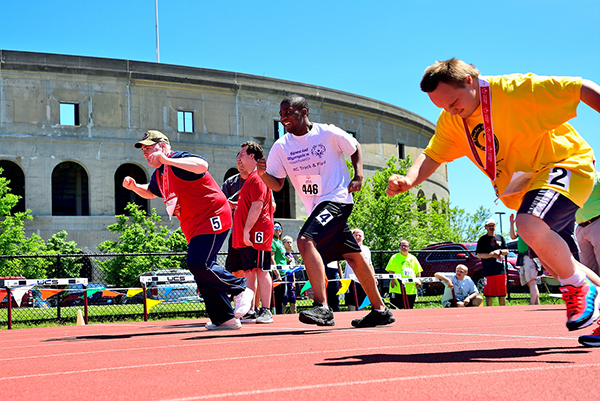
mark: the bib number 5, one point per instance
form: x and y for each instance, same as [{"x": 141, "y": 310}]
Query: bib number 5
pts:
[{"x": 216, "y": 223}]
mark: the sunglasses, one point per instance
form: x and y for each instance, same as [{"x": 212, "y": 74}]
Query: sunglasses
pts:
[{"x": 277, "y": 227}]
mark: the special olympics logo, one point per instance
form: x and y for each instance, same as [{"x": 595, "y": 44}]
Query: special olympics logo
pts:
[
  {"x": 318, "y": 150},
  {"x": 478, "y": 135}
]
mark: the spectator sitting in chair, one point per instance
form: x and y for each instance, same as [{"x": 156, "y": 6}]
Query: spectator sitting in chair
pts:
[{"x": 460, "y": 290}]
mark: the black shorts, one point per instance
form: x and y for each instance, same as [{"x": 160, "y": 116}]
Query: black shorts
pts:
[
  {"x": 233, "y": 263},
  {"x": 255, "y": 259},
  {"x": 557, "y": 211},
  {"x": 327, "y": 226}
]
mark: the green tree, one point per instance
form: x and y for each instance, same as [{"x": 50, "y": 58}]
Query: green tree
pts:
[
  {"x": 63, "y": 267},
  {"x": 138, "y": 233},
  {"x": 469, "y": 227},
  {"x": 13, "y": 240}
]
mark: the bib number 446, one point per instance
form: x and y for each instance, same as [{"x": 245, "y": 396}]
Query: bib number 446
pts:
[{"x": 310, "y": 189}]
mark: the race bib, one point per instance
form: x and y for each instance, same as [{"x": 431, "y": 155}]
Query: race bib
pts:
[
  {"x": 259, "y": 237},
  {"x": 408, "y": 272},
  {"x": 324, "y": 217},
  {"x": 215, "y": 222},
  {"x": 310, "y": 185},
  {"x": 560, "y": 177}
]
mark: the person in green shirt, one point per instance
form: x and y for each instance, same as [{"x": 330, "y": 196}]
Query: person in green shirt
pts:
[
  {"x": 409, "y": 267},
  {"x": 278, "y": 258}
]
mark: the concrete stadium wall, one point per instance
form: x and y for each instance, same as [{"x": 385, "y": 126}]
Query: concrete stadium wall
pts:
[{"x": 119, "y": 100}]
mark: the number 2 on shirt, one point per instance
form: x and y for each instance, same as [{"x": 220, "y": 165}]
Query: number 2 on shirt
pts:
[{"x": 560, "y": 177}]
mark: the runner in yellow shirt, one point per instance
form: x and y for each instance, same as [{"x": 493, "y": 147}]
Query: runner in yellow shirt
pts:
[{"x": 514, "y": 127}]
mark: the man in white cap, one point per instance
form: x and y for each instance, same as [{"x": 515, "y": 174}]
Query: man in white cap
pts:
[{"x": 491, "y": 249}]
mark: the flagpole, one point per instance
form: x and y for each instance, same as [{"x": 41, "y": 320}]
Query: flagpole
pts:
[{"x": 157, "y": 46}]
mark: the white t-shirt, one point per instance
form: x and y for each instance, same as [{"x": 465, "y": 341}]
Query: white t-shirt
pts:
[
  {"x": 315, "y": 164},
  {"x": 348, "y": 271}
]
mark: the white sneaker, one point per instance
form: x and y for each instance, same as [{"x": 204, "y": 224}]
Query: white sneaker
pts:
[
  {"x": 231, "y": 324},
  {"x": 242, "y": 302}
]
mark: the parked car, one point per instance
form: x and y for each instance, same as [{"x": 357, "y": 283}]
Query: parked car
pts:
[
  {"x": 443, "y": 257},
  {"x": 172, "y": 286},
  {"x": 74, "y": 296},
  {"x": 28, "y": 297}
]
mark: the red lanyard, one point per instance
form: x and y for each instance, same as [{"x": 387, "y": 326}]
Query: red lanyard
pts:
[{"x": 485, "y": 97}]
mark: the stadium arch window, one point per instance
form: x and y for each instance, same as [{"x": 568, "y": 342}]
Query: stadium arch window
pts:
[
  {"x": 230, "y": 173},
  {"x": 185, "y": 121},
  {"x": 13, "y": 172},
  {"x": 69, "y": 114},
  {"x": 70, "y": 193},
  {"x": 278, "y": 130},
  {"x": 122, "y": 195},
  {"x": 283, "y": 201},
  {"x": 401, "y": 151},
  {"x": 421, "y": 201}
]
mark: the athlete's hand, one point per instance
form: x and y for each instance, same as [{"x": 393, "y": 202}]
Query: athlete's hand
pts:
[
  {"x": 397, "y": 184},
  {"x": 156, "y": 159},
  {"x": 247, "y": 238},
  {"x": 128, "y": 183},
  {"x": 261, "y": 166},
  {"x": 355, "y": 185}
]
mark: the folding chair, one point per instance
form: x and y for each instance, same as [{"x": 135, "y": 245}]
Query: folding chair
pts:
[{"x": 549, "y": 282}]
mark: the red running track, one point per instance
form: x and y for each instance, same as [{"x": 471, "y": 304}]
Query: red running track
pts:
[{"x": 499, "y": 353}]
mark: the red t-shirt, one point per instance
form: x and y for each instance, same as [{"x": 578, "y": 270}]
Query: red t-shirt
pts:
[
  {"x": 201, "y": 205},
  {"x": 261, "y": 234}
]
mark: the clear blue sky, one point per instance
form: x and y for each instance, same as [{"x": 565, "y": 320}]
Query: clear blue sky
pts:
[{"x": 376, "y": 49}]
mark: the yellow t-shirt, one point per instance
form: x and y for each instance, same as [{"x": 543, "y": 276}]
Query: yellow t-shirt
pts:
[
  {"x": 529, "y": 117},
  {"x": 409, "y": 267}
]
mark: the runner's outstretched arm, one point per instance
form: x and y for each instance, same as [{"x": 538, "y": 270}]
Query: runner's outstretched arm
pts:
[
  {"x": 272, "y": 182},
  {"x": 590, "y": 94},
  {"x": 423, "y": 167}
]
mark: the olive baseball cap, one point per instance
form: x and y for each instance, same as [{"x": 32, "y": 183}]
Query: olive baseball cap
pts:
[{"x": 151, "y": 137}]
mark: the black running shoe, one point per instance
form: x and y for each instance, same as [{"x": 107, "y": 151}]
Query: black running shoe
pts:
[
  {"x": 317, "y": 315},
  {"x": 375, "y": 318}
]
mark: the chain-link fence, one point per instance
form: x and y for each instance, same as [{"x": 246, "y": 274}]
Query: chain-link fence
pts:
[{"x": 108, "y": 301}]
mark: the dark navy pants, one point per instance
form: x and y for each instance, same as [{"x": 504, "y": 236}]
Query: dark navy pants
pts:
[{"x": 214, "y": 282}]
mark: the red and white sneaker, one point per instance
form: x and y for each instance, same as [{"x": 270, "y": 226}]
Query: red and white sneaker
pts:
[{"x": 582, "y": 305}]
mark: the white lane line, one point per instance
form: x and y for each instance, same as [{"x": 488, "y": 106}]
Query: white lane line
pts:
[
  {"x": 234, "y": 358},
  {"x": 386, "y": 381}
]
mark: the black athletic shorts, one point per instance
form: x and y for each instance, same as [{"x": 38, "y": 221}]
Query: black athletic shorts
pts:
[
  {"x": 327, "y": 226},
  {"x": 255, "y": 259},
  {"x": 556, "y": 210}
]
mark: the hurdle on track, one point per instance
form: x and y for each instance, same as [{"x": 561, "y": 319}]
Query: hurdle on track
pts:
[
  {"x": 10, "y": 284},
  {"x": 289, "y": 269}
]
